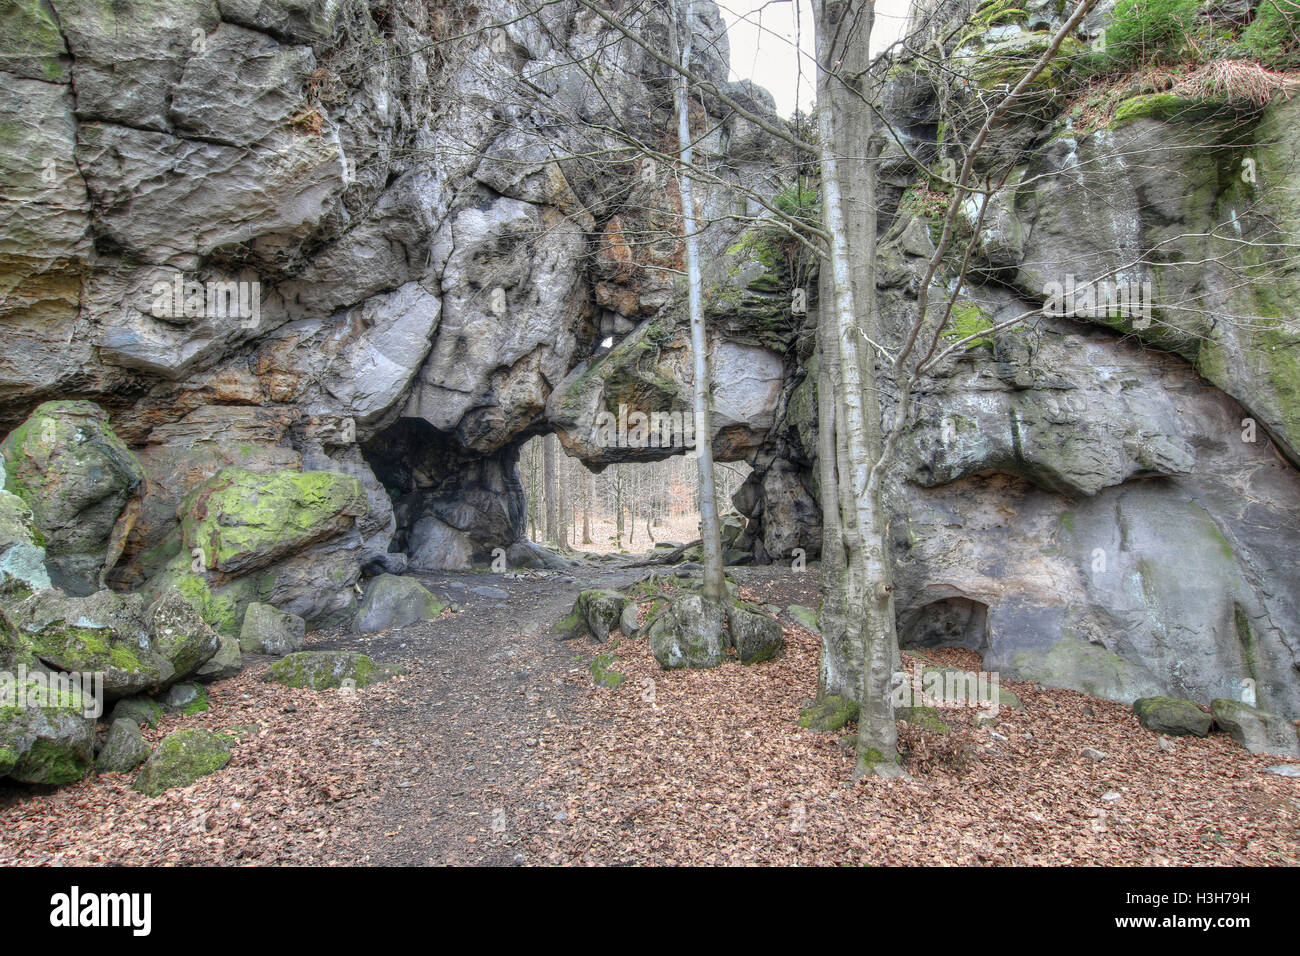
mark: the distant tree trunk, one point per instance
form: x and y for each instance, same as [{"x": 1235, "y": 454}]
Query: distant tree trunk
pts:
[
  {"x": 618, "y": 504},
  {"x": 714, "y": 585},
  {"x": 548, "y": 485},
  {"x": 588, "y": 492}
]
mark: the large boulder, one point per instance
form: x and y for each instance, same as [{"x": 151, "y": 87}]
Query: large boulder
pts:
[
  {"x": 392, "y": 601},
  {"x": 1168, "y": 715},
  {"x": 46, "y": 731},
  {"x": 755, "y": 636},
  {"x": 1258, "y": 731},
  {"x": 105, "y": 632},
  {"x": 267, "y": 630},
  {"x": 287, "y": 538},
  {"x": 325, "y": 670},
  {"x": 526, "y": 554},
  {"x": 187, "y": 697},
  {"x": 241, "y": 522},
  {"x": 689, "y": 633},
  {"x": 181, "y": 758},
  {"x": 124, "y": 748},
  {"x": 226, "y": 663},
  {"x": 77, "y": 477},
  {"x": 178, "y": 632}
]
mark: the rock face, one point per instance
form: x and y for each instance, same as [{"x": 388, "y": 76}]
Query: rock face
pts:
[{"x": 1094, "y": 501}]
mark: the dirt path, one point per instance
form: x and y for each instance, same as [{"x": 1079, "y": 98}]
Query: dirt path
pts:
[{"x": 456, "y": 755}]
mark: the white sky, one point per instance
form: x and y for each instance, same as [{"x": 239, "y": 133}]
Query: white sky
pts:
[{"x": 762, "y": 35}]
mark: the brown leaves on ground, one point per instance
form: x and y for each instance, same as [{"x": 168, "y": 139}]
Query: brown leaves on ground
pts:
[
  {"x": 495, "y": 724},
  {"x": 285, "y": 797},
  {"x": 710, "y": 767}
]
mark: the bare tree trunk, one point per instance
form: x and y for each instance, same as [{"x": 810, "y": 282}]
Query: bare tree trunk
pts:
[
  {"x": 714, "y": 584},
  {"x": 843, "y": 39},
  {"x": 618, "y": 503},
  {"x": 548, "y": 486},
  {"x": 588, "y": 492}
]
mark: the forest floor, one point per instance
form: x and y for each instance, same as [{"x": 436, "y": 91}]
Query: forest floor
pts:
[{"x": 496, "y": 748}]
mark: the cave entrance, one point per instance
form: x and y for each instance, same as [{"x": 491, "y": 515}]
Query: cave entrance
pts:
[
  {"x": 951, "y": 622},
  {"x": 455, "y": 508},
  {"x": 627, "y": 507}
]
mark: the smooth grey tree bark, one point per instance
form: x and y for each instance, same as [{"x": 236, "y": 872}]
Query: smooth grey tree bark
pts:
[{"x": 710, "y": 531}]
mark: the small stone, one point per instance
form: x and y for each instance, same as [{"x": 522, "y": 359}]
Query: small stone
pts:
[
  {"x": 1285, "y": 769},
  {"x": 1165, "y": 744},
  {"x": 1110, "y": 797},
  {"x": 1094, "y": 754}
]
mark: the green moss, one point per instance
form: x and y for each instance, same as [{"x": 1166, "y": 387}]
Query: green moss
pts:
[
  {"x": 968, "y": 318},
  {"x": 829, "y": 714},
  {"x": 869, "y": 760},
  {"x": 1147, "y": 31},
  {"x": 1160, "y": 106},
  {"x": 52, "y": 764},
  {"x": 182, "y": 758},
  {"x": 326, "y": 670},
  {"x": 1273, "y": 37},
  {"x": 602, "y": 673},
  {"x": 241, "y": 521},
  {"x": 926, "y": 718}
]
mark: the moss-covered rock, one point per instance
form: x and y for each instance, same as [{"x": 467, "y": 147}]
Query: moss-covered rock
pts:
[
  {"x": 185, "y": 698},
  {"x": 145, "y": 711},
  {"x": 226, "y": 663},
  {"x": 240, "y": 521},
  {"x": 1168, "y": 715},
  {"x": 124, "y": 749},
  {"x": 689, "y": 633},
  {"x": 70, "y": 468},
  {"x": 45, "y": 735},
  {"x": 267, "y": 630},
  {"x": 755, "y": 636},
  {"x": 181, "y": 758},
  {"x": 602, "y": 672},
  {"x": 1257, "y": 730},
  {"x": 105, "y": 632},
  {"x": 178, "y": 632},
  {"x": 829, "y": 714},
  {"x": 391, "y": 601},
  {"x": 22, "y": 554},
  {"x": 323, "y": 670}
]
